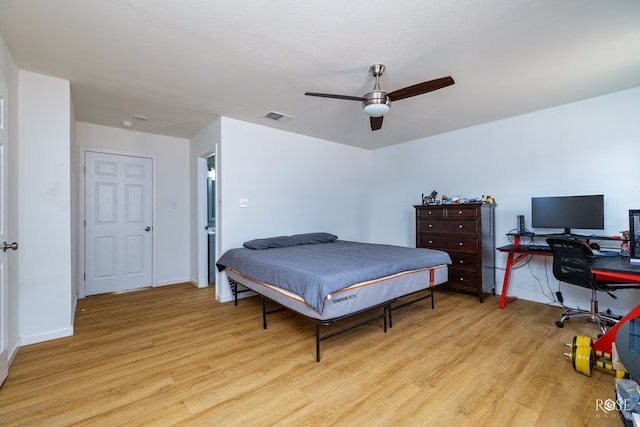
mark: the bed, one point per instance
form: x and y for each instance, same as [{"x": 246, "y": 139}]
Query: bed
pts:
[{"x": 327, "y": 280}]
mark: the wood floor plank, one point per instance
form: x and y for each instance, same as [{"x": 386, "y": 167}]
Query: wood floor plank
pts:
[{"x": 175, "y": 356}]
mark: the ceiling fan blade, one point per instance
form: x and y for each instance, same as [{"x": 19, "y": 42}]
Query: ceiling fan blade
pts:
[
  {"x": 420, "y": 88},
  {"x": 376, "y": 122},
  {"x": 329, "y": 95}
]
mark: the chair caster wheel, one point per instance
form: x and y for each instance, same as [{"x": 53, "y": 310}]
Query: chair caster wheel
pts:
[{"x": 559, "y": 324}]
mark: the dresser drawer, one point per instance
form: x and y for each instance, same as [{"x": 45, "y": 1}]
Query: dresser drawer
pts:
[
  {"x": 448, "y": 243},
  {"x": 446, "y": 211},
  {"x": 463, "y": 279},
  {"x": 430, "y": 213},
  {"x": 461, "y": 226},
  {"x": 467, "y": 212},
  {"x": 466, "y": 260}
]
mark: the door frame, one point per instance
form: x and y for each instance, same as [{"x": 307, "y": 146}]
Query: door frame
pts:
[
  {"x": 5, "y": 331},
  {"x": 81, "y": 212},
  {"x": 201, "y": 219}
]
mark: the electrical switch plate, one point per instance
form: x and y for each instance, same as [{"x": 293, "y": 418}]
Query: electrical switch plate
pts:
[{"x": 244, "y": 203}]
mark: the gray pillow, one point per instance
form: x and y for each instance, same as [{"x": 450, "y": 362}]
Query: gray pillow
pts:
[
  {"x": 311, "y": 238},
  {"x": 271, "y": 242},
  {"x": 285, "y": 241}
]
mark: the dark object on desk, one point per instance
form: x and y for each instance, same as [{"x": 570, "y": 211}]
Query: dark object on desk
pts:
[
  {"x": 572, "y": 260},
  {"x": 521, "y": 228},
  {"x": 539, "y": 248},
  {"x": 634, "y": 233}
]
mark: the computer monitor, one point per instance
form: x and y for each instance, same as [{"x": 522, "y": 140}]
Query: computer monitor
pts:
[{"x": 568, "y": 212}]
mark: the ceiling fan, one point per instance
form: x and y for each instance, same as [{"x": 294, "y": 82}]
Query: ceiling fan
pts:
[{"x": 378, "y": 102}]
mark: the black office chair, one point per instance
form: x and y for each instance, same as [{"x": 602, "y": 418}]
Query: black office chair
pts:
[{"x": 572, "y": 261}]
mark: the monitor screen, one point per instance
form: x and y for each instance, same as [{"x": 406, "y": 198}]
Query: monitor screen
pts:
[{"x": 567, "y": 212}]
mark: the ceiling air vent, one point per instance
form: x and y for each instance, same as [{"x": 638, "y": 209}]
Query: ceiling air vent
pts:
[{"x": 279, "y": 117}]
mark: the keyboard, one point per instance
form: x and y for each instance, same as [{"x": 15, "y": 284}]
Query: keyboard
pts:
[{"x": 539, "y": 248}]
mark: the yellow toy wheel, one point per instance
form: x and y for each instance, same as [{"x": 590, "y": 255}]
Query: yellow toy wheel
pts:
[
  {"x": 583, "y": 341},
  {"x": 583, "y": 360}
]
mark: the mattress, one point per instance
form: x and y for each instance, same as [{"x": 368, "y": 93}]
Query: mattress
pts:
[
  {"x": 317, "y": 271},
  {"x": 354, "y": 298}
]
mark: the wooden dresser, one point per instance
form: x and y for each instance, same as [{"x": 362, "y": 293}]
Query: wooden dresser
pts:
[{"x": 466, "y": 233}]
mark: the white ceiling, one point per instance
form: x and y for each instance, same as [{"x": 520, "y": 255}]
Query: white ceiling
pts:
[{"x": 185, "y": 62}]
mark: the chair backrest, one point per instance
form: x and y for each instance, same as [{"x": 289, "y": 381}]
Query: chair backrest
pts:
[{"x": 572, "y": 261}]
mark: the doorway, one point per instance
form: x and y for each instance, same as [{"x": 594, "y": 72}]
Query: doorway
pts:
[
  {"x": 205, "y": 264},
  {"x": 118, "y": 214},
  {"x": 211, "y": 217}
]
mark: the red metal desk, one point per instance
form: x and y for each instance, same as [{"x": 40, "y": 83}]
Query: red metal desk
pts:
[{"x": 612, "y": 269}]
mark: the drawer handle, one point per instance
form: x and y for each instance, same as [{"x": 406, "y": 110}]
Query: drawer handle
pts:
[
  {"x": 459, "y": 212},
  {"x": 430, "y": 225},
  {"x": 429, "y": 213},
  {"x": 462, "y": 279},
  {"x": 460, "y": 244},
  {"x": 430, "y": 242},
  {"x": 460, "y": 226},
  {"x": 461, "y": 262}
]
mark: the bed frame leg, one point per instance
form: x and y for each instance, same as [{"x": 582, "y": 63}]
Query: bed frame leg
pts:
[
  {"x": 390, "y": 317},
  {"x": 264, "y": 313},
  {"x": 432, "y": 300},
  {"x": 234, "y": 289},
  {"x": 316, "y": 332},
  {"x": 387, "y": 311}
]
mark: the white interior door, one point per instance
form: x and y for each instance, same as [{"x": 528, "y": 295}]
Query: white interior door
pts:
[
  {"x": 118, "y": 229},
  {"x": 4, "y": 292}
]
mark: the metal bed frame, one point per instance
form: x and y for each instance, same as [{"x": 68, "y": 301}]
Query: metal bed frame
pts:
[{"x": 386, "y": 313}]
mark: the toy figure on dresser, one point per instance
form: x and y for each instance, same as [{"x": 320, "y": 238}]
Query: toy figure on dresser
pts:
[
  {"x": 430, "y": 199},
  {"x": 446, "y": 200},
  {"x": 456, "y": 200}
]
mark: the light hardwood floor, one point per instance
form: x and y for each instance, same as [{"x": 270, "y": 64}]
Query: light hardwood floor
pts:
[{"x": 175, "y": 356}]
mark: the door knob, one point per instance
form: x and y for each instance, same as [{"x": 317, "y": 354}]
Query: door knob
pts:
[
  {"x": 147, "y": 228},
  {"x": 6, "y": 246}
]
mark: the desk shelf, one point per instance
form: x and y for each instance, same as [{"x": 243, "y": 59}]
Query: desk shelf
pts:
[{"x": 569, "y": 236}]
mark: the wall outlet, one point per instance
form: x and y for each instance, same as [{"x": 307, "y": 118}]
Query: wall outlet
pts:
[{"x": 244, "y": 203}]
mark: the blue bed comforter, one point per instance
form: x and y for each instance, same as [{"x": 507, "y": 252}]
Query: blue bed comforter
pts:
[{"x": 314, "y": 271}]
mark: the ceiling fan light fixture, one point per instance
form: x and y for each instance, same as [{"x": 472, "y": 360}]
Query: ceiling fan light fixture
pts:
[
  {"x": 376, "y": 110},
  {"x": 376, "y": 104}
]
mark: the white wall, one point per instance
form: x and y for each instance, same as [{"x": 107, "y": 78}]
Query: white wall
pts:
[
  {"x": 587, "y": 147},
  {"x": 45, "y": 205},
  {"x": 294, "y": 184},
  {"x": 171, "y": 180}
]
